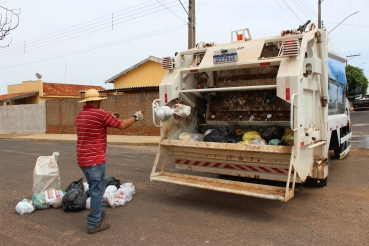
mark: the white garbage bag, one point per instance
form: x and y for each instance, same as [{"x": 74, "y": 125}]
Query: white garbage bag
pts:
[
  {"x": 46, "y": 174},
  {"x": 24, "y": 207}
]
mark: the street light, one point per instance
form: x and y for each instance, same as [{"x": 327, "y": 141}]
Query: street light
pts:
[{"x": 343, "y": 21}]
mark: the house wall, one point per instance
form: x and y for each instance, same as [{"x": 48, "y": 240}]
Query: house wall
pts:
[
  {"x": 148, "y": 74},
  {"x": 61, "y": 113},
  {"x": 27, "y": 86},
  {"x": 29, "y": 118}
]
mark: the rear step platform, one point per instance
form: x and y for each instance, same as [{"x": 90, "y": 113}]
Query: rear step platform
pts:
[{"x": 248, "y": 189}]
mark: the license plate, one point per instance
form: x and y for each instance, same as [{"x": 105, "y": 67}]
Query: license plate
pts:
[{"x": 225, "y": 58}]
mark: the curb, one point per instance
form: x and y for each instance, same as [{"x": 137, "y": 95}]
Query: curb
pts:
[{"x": 66, "y": 140}]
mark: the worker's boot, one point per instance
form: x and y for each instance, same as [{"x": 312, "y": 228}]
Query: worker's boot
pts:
[{"x": 102, "y": 227}]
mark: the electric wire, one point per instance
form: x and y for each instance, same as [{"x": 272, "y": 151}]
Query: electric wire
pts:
[
  {"x": 108, "y": 20},
  {"x": 83, "y": 33},
  {"x": 116, "y": 42},
  {"x": 293, "y": 12},
  {"x": 172, "y": 12},
  {"x": 275, "y": 13}
]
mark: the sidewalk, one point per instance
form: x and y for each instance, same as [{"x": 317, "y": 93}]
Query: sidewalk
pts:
[{"x": 112, "y": 139}]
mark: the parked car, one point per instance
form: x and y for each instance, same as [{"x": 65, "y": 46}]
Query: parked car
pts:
[{"x": 362, "y": 103}]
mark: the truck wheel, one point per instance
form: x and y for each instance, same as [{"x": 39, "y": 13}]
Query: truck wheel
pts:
[
  {"x": 337, "y": 152},
  {"x": 314, "y": 182}
]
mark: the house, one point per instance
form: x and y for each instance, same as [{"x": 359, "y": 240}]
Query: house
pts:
[
  {"x": 35, "y": 92},
  {"x": 147, "y": 74}
]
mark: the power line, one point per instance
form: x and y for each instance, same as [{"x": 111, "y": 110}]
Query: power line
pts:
[
  {"x": 292, "y": 11},
  {"x": 144, "y": 35},
  {"x": 274, "y": 12},
  {"x": 171, "y": 11},
  {"x": 74, "y": 34}
]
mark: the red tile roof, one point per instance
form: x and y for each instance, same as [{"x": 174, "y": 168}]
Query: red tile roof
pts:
[
  {"x": 58, "y": 89},
  {"x": 14, "y": 96}
]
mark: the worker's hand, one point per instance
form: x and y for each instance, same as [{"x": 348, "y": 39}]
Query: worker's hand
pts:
[{"x": 138, "y": 115}]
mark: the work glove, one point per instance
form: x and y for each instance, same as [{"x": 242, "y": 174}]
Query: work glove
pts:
[{"x": 138, "y": 115}]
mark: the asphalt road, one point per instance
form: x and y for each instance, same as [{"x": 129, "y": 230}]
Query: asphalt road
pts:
[{"x": 166, "y": 214}]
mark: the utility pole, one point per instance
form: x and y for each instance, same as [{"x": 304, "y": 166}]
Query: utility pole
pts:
[
  {"x": 191, "y": 24},
  {"x": 320, "y": 14}
]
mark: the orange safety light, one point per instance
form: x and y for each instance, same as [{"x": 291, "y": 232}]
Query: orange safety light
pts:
[{"x": 239, "y": 36}]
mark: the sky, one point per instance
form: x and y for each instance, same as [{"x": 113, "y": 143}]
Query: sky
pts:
[{"x": 89, "y": 41}]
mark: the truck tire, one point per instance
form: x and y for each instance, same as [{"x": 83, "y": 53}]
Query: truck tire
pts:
[{"x": 314, "y": 182}]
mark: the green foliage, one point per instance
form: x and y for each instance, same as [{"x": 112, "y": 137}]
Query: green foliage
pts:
[{"x": 355, "y": 77}]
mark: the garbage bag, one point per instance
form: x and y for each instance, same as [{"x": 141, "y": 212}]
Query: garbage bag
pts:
[
  {"x": 52, "y": 196},
  {"x": 258, "y": 141},
  {"x": 250, "y": 135},
  {"x": 112, "y": 181},
  {"x": 75, "y": 185},
  {"x": 272, "y": 132},
  {"x": 223, "y": 135},
  {"x": 39, "y": 201},
  {"x": 191, "y": 136},
  {"x": 274, "y": 142},
  {"x": 181, "y": 110},
  {"x": 25, "y": 207},
  {"x": 74, "y": 200},
  {"x": 128, "y": 190},
  {"x": 46, "y": 174},
  {"x": 163, "y": 113}
]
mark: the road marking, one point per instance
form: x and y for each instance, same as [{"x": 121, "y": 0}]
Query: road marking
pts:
[{"x": 366, "y": 124}]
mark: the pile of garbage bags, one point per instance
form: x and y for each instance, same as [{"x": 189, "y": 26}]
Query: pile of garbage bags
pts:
[
  {"x": 270, "y": 135},
  {"x": 76, "y": 197}
]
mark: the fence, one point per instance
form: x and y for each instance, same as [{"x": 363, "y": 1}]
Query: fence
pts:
[{"x": 61, "y": 113}]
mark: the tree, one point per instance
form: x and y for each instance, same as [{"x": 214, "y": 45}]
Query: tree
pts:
[
  {"x": 9, "y": 20},
  {"x": 355, "y": 77}
]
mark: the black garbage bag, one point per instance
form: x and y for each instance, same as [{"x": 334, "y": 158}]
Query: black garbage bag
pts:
[
  {"x": 112, "y": 181},
  {"x": 75, "y": 185},
  {"x": 272, "y": 132},
  {"x": 74, "y": 200},
  {"x": 223, "y": 135}
]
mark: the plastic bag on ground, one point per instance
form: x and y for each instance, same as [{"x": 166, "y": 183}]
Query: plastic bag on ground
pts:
[
  {"x": 128, "y": 189},
  {"x": 112, "y": 181},
  {"x": 163, "y": 113},
  {"x": 52, "y": 196},
  {"x": 181, "y": 110},
  {"x": 59, "y": 201},
  {"x": 39, "y": 201},
  {"x": 74, "y": 200},
  {"x": 111, "y": 189},
  {"x": 46, "y": 173},
  {"x": 75, "y": 185},
  {"x": 24, "y": 207}
]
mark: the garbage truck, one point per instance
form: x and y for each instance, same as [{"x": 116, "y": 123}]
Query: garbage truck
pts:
[{"x": 294, "y": 80}]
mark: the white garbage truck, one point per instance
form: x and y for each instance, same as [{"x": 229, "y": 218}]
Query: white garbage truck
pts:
[{"x": 295, "y": 80}]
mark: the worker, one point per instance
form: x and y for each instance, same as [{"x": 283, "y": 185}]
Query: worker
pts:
[{"x": 91, "y": 124}]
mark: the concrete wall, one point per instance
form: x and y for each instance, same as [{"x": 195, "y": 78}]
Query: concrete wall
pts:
[
  {"x": 23, "y": 118},
  {"x": 61, "y": 114}
]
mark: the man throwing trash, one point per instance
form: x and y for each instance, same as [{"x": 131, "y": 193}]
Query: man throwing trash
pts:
[{"x": 91, "y": 124}]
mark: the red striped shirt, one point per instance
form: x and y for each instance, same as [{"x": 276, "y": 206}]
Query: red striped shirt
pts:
[{"x": 92, "y": 124}]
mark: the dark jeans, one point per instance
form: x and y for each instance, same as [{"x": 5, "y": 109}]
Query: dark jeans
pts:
[{"x": 95, "y": 177}]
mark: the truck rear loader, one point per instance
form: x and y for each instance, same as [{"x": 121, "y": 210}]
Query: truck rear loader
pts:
[{"x": 295, "y": 80}]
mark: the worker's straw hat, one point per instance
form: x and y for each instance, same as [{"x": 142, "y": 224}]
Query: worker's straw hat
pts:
[{"x": 92, "y": 95}]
